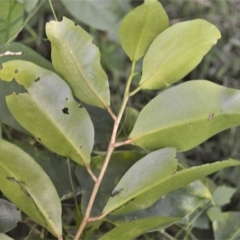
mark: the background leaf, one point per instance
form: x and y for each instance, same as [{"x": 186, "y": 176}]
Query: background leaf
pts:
[
  {"x": 173, "y": 182},
  {"x": 19, "y": 51},
  {"x": 143, "y": 176},
  {"x": 176, "y": 51},
  {"x": 103, "y": 15},
  {"x": 49, "y": 111},
  {"x": 55, "y": 167},
  {"x": 222, "y": 195},
  {"x": 229, "y": 229},
  {"x": 22, "y": 186},
  {"x": 9, "y": 216},
  {"x": 77, "y": 60},
  {"x": 141, "y": 26},
  {"x": 11, "y": 18},
  {"x": 131, "y": 230},
  {"x": 186, "y": 115}
]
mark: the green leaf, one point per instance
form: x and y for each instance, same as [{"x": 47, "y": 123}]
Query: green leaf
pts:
[
  {"x": 129, "y": 118},
  {"x": 103, "y": 125},
  {"x": 222, "y": 195},
  {"x": 186, "y": 115},
  {"x": 9, "y": 216},
  {"x": 49, "y": 111},
  {"x": 141, "y": 26},
  {"x": 176, "y": 51},
  {"x": 173, "y": 182},
  {"x": 4, "y": 237},
  {"x": 25, "y": 183},
  {"x": 12, "y": 52},
  {"x": 215, "y": 214},
  {"x": 77, "y": 60},
  {"x": 102, "y": 15},
  {"x": 55, "y": 167},
  {"x": 11, "y": 18},
  {"x": 119, "y": 163},
  {"x": 29, "y": 4},
  {"x": 229, "y": 229},
  {"x": 144, "y": 175},
  {"x": 131, "y": 230},
  {"x": 194, "y": 194}
]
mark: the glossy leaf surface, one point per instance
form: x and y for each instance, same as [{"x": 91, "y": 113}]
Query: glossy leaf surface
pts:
[
  {"x": 144, "y": 175},
  {"x": 120, "y": 162},
  {"x": 141, "y": 26},
  {"x": 77, "y": 60},
  {"x": 186, "y": 115},
  {"x": 9, "y": 216},
  {"x": 173, "y": 182},
  {"x": 177, "y": 51},
  {"x": 25, "y": 183},
  {"x": 16, "y": 51},
  {"x": 188, "y": 199},
  {"x": 49, "y": 111},
  {"x": 131, "y": 230}
]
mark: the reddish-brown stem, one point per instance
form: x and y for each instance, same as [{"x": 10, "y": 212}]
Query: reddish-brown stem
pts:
[{"x": 110, "y": 150}]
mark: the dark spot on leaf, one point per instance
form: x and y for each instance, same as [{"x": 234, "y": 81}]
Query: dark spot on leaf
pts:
[
  {"x": 80, "y": 147},
  {"x": 66, "y": 98},
  {"x": 210, "y": 116},
  {"x": 39, "y": 139},
  {"x": 36, "y": 80},
  {"x": 65, "y": 110},
  {"x": 132, "y": 199},
  {"x": 16, "y": 71},
  {"x": 190, "y": 124},
  {"x": 116, "y": 192}
]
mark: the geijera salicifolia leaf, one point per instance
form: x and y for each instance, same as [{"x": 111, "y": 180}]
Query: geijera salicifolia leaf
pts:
[
  {"x": 77, "y": 60},
  {"x": 25, "y": 183},
  {"x": 173, "y": 182},
  {"x": 133, "y": 229},
  {"x": 49, "y": 111},
  {"x": 176, "y": 51},
  {"x": 142, "y": 176},
  {"x": 188, "y": 199},
  {"x": 141, "y": 26},
  {"x": 184, "y": 116},
  {"x": 14, "y": 51}
]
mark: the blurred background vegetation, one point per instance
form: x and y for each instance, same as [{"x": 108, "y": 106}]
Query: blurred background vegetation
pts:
[{"x": 221, "y": 65}]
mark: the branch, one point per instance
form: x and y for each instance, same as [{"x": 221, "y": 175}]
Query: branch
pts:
[{"x": 110, "y": 150}]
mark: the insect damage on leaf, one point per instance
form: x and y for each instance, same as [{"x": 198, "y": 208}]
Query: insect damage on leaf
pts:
[
  {"x": 65, "y": 110},
  {"x": 37, "y": 79},
  {"x": 210, "y": 116},
  {"x": 116, "y": 192}
]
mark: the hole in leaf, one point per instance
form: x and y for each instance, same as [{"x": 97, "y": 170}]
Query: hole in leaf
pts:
[
  {"x": 36, "y": 80},
  {"x": 16, "y": 71},
  {"x": 65, "y": 110}
]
